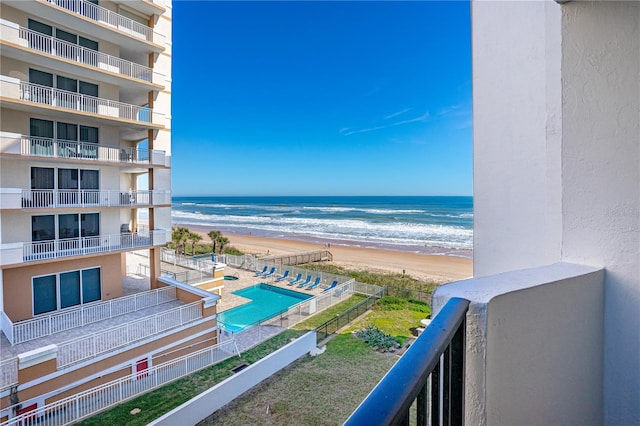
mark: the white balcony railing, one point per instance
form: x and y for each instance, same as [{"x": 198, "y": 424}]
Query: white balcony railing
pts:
[
  {"x": 50, "y": 96},
  {"x": 79, "y": 316},
  {"x": 8, "y": 373},
  {"x": 88, "y": 402},
  {"x": 52, "y": 249},
  {"x": 106, "y": 16},
  {"x": 59, "y": 198},
  {"x": 88, "y": 347},
  {"x": 73, "y": 150},
  {"x": 48, "y": 44}
]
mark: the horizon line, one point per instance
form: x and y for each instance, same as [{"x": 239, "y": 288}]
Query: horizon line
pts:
[{"x": 310, "y": 195}]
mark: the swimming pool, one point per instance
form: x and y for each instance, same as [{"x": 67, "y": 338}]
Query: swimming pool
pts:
[{"x": 266, "y": 301}]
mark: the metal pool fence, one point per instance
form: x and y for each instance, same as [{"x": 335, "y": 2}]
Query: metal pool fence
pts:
[{"x": 334, "y": 324}]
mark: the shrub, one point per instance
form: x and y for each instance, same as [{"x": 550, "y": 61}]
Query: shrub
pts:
[
  {"x": 391, "y": 300},
  {"x": 376, "y": 339},
  {"x": 233, "y": 251}
]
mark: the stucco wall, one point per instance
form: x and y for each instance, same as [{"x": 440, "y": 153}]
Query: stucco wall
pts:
[
  {"x": 556, "y": 158},
  {"x": 534, "y": 345},
  {"x": 17, "y": 281},
  {"x": 601, "y": 178},
  {"x": 517, "y": 212}
]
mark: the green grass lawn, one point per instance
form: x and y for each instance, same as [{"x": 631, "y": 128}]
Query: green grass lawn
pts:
[
  {"x": 394, "y": 316},
  {"x": 164, "y": 399},
  {"x": 321, "y": 390}
]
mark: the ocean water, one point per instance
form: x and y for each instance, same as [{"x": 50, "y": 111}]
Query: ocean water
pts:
[{"x": 434, "y": 225}]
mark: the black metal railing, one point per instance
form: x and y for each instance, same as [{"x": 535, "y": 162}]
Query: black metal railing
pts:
[
  {"x": 435, "y": 360},
  {"x": 334, "y": 324}
]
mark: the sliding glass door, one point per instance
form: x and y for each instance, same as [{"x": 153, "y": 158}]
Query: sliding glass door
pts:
[
  {"x": 68, "y": 185},
  {"x": 66, "y": 289},
  {"x": 42, "y": 184}
]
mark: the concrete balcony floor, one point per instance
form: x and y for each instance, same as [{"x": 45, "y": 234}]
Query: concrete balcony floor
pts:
[{"x": 130, "y": 285}]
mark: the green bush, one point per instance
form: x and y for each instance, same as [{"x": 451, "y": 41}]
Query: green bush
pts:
[
  {"x": 391, "y": 300},
  {"x": 376, "y": 339},
  {"x": 233, "y": 251}
]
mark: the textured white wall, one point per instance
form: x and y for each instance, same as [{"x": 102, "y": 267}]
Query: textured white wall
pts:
[
  {"x": 517, "y": 214},
  {"x": 601, "y": 178},
  {"x": 556, "y": 158},
  {"x": 534, "y": 345}
]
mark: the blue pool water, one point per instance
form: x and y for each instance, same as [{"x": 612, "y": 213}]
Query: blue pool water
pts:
[{"x": 266, "y": 301}]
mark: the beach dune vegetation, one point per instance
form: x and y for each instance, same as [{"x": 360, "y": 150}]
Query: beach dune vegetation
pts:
[{"x": 395, "y": 281}]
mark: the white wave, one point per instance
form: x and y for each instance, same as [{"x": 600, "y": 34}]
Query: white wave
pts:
[
  {"x": 363, "y": 209},
  {"x": 293, "y": 208},
  {"x": 400, "y": 233}
]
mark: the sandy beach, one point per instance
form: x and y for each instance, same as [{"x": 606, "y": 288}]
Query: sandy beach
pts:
[{"x": 436, "y": 268}]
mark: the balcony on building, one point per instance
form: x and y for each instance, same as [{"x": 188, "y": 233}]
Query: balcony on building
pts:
[
  {"x": 48, "y": 51},
  {"x": 90, "y": 18},
  {"x": 146, "y": 7},
  {"x": 493, "y": 337},
  {"x": 46, "y": 248},
  {"x": 78, "y": 335},
  {"x": 14, "y": 144},
  {"x": 33, "y": 97},
  {"x": 25, "y": 199}
]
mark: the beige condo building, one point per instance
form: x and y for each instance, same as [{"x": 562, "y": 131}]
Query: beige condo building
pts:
[{"x": 85, "y": 179}]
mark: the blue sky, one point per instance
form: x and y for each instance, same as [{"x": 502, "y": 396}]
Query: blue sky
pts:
[{"x": 321, "y": 98}]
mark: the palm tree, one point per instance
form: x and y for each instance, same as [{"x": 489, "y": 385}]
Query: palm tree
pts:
[
  {"x": 194, "y": 238},
  {"x": 222, "y": 241},
  {"x": 179, "y": 237},
  {"x": 214, "y": 235}
]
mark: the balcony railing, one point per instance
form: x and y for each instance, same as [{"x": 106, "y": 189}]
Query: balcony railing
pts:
[
  {"x": 88, "y": 402},
  {"x": 12, "y": 143},
  {"x": 8, "y": 372},
  {"x": 50, "y": 96},
  {"x": 435, "y": 360},
  {"x": 106, "y": 16},
  {"x": 52, "y": 249},
  {"x": 59, "y": 198},
  {"x": 79, "y": 316},
  {"x": 60, "y": 48},
  {"x": 88, "y": 347}
]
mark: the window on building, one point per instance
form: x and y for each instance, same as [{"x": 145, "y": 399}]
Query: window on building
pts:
[
  {"x": 43, "y": 228},
  {"x": 74, "y": 185},
  {"x": 45, "y": 297},
  {"x": 41, "y": 132},
  {"x": 91, "y": 285},
  {"x": 42, "y": 178},
  {"x": 69, "y": 289},
  {"x": 63, "y": 83},
  {"x": 69, "y": 226},
  {"x": 40, "y": 27},
  {"x": 39, "y": 94},
  {"x": 66, "y": 289},
  {"x": 60, "y": 34}
]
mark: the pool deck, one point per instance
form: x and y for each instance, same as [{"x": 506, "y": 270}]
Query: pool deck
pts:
[{"x": 248, "y": 279}]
